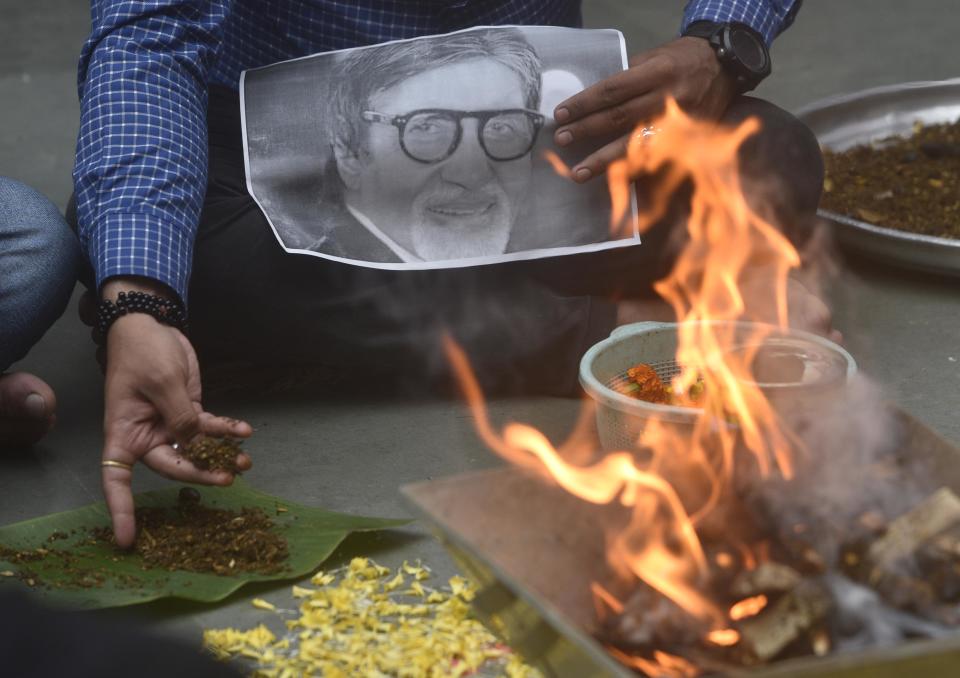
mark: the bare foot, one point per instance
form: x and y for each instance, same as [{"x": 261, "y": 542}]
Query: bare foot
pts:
[{"x": 27, "y": 407}]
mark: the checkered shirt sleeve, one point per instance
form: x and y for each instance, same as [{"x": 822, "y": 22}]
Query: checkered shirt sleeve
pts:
[
  {"x": 141, "y": 168},
  {"x": 767, "y": 17}
]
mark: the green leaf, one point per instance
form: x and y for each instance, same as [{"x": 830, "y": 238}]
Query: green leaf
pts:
[{"x": 312, "y": 534}]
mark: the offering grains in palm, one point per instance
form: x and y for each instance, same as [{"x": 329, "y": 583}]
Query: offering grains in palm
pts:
[{"x": 213, "y": 454}]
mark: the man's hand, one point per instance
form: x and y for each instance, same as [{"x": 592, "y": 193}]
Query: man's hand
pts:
[
  {"x": 686, "y": 69},
  {"x": 152, "y": 399}
]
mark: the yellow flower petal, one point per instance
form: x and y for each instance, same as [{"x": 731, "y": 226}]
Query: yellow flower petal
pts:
[
  {"x": 394, "y": 583},
  {"x": 365, "y": 625},
  {"x": 263, "y": 604},
  {"x": 322, "y": 579}
]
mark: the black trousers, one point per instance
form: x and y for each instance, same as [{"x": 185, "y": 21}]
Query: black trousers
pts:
[{"x": 524, "y": 325}]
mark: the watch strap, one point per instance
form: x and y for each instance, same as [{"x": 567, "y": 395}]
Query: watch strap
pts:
[{"x": 702, "y": 29}]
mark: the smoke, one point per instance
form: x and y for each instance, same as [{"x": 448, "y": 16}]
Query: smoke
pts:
[
  {"x": 850, "y": 472},
  {"x": 864, "y": 620},
  {"x": 519, "y": 333}
]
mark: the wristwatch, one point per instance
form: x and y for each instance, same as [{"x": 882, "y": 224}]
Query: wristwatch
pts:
[{"x": 739, "y": 48}]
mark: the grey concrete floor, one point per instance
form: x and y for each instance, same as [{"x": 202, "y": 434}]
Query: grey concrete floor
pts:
[{"x": 904, "y": 329}]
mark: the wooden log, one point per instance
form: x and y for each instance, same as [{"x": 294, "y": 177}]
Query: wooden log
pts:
[
  {"x": 905, "y": 535},
  {"x": 769, "y": 577},
  {"x": 792, "y": 617},
  {"x": 898, "y": 563},
  {"x": 939, "y": 564},
  {"x": 650, "y": 620}
]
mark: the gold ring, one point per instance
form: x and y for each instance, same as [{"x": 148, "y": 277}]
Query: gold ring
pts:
[{"x": 116, "y": 464}]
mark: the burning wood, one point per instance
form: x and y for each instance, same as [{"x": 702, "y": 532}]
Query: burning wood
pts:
[
  {"x": 649, "y": 620},
  {"x": 748, "y": 607},
  {"x": 769, "y": 577},
  {"x": 939, "y": 560},
  {"x": 909, "y": 532},
  {"x": 788, "y": 620},
  {"x": 915, "y": 563}
]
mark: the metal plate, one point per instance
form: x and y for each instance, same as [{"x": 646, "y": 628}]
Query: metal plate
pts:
[{"x": 844, "y": 121}]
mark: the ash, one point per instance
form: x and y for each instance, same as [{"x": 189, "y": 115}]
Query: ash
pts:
[{"x": 863, "y": 620}]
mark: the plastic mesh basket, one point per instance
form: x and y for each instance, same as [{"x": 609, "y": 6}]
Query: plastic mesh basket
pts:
[{"x": 620, "y": 418}]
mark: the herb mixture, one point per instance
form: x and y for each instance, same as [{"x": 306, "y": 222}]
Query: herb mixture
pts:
[
  {"x": 188, "y": 537},
  {"x": 213, "y": 454},
  {"x": 910, "y": 184},
  {"x": 198, "y": 538}
]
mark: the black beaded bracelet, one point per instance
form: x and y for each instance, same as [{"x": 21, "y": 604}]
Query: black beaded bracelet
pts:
[{"x": 163, "y": 310}]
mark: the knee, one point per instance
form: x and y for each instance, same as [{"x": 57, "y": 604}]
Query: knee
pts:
[
  {"x": 34, "y": 232},
  {"x": 38, "y": 256}
]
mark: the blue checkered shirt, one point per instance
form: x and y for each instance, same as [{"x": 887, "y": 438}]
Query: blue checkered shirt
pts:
[{"x": 141, "y": 169}]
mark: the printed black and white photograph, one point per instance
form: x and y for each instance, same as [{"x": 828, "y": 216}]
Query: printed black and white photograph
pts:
[{"x": 432, "y": 152}]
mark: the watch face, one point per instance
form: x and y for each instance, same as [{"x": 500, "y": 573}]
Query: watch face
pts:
[{"x": 749, "y": 53}]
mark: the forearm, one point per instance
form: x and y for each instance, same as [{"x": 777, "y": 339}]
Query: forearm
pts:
[
  {"x": 140, "y": 174},
  {"x": 767, "y": 17}
]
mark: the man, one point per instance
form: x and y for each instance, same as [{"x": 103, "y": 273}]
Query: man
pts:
[
  {"x": 432, "y": 146},
  {"x": 38, "y": 264},
  {"x": 160, "y": 142}
]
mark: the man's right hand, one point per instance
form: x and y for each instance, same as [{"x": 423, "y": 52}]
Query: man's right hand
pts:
[{"x": 152, "y": 400}]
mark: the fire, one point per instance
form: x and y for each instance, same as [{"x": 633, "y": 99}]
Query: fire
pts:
[
  {"x": 558, "y": 165},
  {"x": 605, "y": 600},
  {"x": 681, "y": 484},
  {"x": 663, "y": 665},
  {"x": 724, "y": 637},
  {"x": 748, "y": 607},
  {"x": 674, "y": 571}
]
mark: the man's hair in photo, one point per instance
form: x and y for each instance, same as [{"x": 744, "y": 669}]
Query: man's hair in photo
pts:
[{"x": 364, "y": 73}]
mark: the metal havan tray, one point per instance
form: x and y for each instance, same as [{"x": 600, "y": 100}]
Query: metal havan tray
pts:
[
  {"x": 533, "y": 550},
  {"x": 844, "y": 121}
]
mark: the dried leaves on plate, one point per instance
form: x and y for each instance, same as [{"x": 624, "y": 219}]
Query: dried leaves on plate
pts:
[{"x": 910, "y": 184}]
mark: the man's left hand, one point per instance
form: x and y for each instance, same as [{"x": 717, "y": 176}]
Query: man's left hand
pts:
[{"x": 686, "y": 69}]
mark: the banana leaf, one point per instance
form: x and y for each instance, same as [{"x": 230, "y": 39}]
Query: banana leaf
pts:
[{"x": 98, "y": 575}]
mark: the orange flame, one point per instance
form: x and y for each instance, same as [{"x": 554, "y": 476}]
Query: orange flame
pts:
[
  {"x": 748, "y": 607},
  {"x": 686, "y": 475},
  {"x": 559, "y": 166},
  {"x": 605, "y": 600},
  {"x": 724, "y": 637},
  {"x": 676, "y": 571},
  {"x": 662, "y": 665},
  {"x": 723, "y": 559}
]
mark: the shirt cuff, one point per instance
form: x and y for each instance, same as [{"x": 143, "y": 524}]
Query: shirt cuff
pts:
[
  {"x": 768, "y": 17},
  {"x": 137, "y": 244}
]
